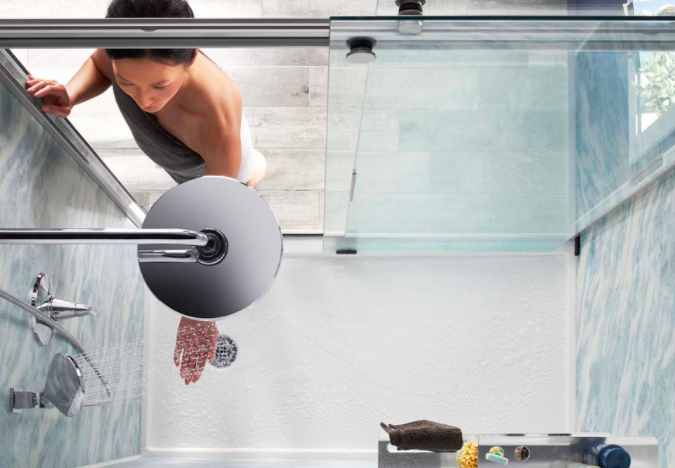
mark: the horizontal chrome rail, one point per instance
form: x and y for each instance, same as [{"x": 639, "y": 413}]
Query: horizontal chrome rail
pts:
[
  {"x": 103, "y": 236},
  {"x": 455, "y": 32},
  {"x": 163, "y": 33}
]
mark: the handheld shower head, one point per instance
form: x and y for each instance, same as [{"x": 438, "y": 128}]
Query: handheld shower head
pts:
[{"x": 65, "y": 386}]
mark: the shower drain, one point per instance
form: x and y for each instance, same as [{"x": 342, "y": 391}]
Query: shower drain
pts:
[{"x": 226, "y": 352}]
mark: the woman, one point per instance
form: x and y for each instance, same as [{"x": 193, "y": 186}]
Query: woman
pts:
[{"x": 183, "y": 112}]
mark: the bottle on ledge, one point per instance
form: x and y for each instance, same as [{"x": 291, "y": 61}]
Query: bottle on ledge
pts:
[{"x": 606, "y": 456}]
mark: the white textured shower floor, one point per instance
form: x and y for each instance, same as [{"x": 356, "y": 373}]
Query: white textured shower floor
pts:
[{"x": 157, "y": 462}]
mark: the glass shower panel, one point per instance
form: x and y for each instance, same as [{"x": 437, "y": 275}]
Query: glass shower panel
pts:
[{"x": 490, "y": 134}]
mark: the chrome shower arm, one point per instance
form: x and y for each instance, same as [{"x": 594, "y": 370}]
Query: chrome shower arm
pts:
[{"x": 104, "y": 236}]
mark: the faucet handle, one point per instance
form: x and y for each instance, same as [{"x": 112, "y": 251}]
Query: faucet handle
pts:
[{"x": 43, "y": 299}]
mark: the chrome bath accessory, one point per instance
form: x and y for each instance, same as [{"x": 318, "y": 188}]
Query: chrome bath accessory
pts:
[
  {"x": 211, "y": 247},
  {"x": 42, "y": 298}
]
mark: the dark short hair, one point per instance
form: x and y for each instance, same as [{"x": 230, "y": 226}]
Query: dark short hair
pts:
[{"x": 151, "y": 9}]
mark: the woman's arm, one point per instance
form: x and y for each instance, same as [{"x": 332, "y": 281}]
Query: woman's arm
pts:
[
  {"x": 90, "y": 81},
  {"x": 220, "y": 139},
  {"x": 93, "y": 79},
  {"x": 223, "y": 157}
]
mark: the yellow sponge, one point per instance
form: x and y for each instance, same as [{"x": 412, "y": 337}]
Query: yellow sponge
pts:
[{"x": 468, "y": 456}]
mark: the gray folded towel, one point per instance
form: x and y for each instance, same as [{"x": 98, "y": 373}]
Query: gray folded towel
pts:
[{"x": 425, "y": 435}]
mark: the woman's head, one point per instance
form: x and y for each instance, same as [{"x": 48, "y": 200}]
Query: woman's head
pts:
[{"x": 150, "y": 76}]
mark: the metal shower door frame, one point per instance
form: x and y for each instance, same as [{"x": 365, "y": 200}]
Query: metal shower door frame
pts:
[{"x": 13, "y": 76}]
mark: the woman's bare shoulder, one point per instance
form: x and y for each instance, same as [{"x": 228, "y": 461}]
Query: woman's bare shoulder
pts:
[{"x": 214, "y": 93}]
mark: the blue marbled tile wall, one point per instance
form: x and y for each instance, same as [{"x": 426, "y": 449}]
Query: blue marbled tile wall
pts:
[
  {"x": 41, "y": 186},
  {"x": 600, "y": 126},
  {"x": 626, "y": 307}
]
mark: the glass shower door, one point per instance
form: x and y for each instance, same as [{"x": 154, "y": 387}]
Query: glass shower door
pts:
[{"x": 482, "y": 134}]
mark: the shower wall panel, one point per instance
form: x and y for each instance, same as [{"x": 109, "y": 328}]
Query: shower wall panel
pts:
[
  {"x": 41, "y": 186},
  {"x": 626, "y": 307}
]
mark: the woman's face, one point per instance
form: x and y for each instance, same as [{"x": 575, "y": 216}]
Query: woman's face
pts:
[{"x": 149, "y": 83}]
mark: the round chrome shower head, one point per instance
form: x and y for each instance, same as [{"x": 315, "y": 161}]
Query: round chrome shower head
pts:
[{"x": 239, "y": 264}]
